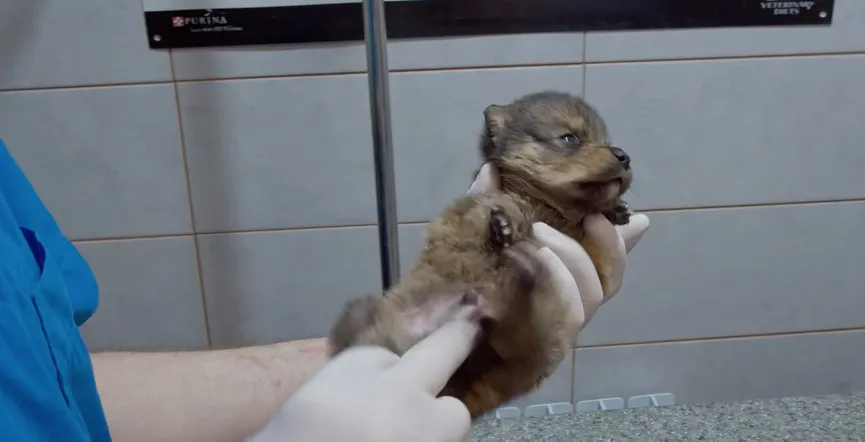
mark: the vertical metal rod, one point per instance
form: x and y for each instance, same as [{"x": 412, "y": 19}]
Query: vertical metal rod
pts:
[{"x": 379, "y": 99}]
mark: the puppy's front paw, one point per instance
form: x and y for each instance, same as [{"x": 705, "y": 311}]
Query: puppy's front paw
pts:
[
  {"x": 501, "y": 229},
  {"x": 621, "y": 215}
]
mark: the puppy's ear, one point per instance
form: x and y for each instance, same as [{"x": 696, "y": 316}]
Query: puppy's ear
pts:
[{"x": 496, "y": 119}]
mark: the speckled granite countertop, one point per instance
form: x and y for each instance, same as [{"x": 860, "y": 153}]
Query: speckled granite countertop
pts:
[{"x": 820, "y": 418}]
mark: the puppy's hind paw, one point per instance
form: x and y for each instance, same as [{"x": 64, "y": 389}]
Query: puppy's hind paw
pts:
[{"x": 501, "y": 229}]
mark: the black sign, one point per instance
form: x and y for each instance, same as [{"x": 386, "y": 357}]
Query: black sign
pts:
[{"x": 343, "y": 22}]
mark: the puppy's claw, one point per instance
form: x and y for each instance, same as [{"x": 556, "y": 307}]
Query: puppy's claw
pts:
[
  {"x": 501, "y": 230},
  {"x": 470, "y": 297},
  {"x": 474, "y": 307},
  {"x": 621, "y": 215}
]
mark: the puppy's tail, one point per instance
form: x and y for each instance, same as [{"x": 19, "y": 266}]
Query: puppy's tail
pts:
[{"x": 356, "y": 317}]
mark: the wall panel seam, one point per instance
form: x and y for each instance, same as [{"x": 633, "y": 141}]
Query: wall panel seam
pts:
[
  {"x": 584, "y": 68},
  {"x": 584, "y": 63},
  {"x": 710, "y": 339},
  {"x": 185, "y": 162},
  {"x": 421, "y": 223}
]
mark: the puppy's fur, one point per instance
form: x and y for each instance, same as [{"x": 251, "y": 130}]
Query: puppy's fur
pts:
[{"x": 556, "y": 165}]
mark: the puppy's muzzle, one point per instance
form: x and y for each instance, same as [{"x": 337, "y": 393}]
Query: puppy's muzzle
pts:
[{"x": 622, "y": 156}]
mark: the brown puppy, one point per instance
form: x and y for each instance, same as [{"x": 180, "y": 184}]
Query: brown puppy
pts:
[{"x": 556, "y": 165}]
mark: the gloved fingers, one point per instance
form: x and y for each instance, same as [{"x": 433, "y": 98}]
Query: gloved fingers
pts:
[
  {"x": 432, "y": 361},
  {"x": 587, "y": 291},
  {"x": 486, "y": 181},
  {"x": 361, "y": 359},
  {"x": 566, "y": 287},
  {"x": 605, "y": 235},
  {"x": 459, "y": 422},
  {"x": 634, "y": 230}
]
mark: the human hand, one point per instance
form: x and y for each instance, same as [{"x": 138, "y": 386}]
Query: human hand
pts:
[
  {"x": 369, "y": 394},
  {"x": 573, "y": 273}
]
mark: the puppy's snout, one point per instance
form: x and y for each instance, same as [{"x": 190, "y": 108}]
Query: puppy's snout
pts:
[{"x": 622, "y": 156}]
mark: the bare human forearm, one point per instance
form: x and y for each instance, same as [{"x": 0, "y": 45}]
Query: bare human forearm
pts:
[{"x": 213, "y": 396}]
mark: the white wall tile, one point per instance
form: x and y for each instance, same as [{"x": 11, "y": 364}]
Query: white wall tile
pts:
[
  {"x": 149, "y": 295},
  {"x": 725, "y": 370},
  {"x": 279, "y": 153},
  {"x": 734, "y": 272},
  {"x": 107, "y": 162},
  {"x": 726, "y": 132},
  {"x": 405, "y": 54},
  {"x": 274, "y": 286},
  {"x": 49, "y": 43},
  {"x": 844, "y": 35}
]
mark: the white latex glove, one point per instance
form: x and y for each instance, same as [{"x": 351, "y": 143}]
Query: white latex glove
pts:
[
  {"x": 573, "y": 272},
  {"x": 369, "y": 394}
]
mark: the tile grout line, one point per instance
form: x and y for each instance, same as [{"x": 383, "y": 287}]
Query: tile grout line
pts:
[
  {"x": 572, "y": 396},
  {"x": 584, "y": 66},
  {"x": 132, "y": 238},
  {"x": 238, "y": 232},
  {"x": 88, "y": 86},
  {"x": 753, "y": 205},
  {"x": 731, "y": 57},
  {"x": 584, "y": 63},
  {"x": 420, "y": 223},
  {"x": 723, "y": 338},
  {"x": 580, "y": 63},
  {"x": 189, "y": 198},
  {"x": 573, "y": 371}
]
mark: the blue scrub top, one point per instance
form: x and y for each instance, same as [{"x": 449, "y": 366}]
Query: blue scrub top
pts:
[{"x": 47, "y": 290}]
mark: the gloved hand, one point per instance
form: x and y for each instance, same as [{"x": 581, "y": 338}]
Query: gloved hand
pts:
[
  {"x": 369, "y": 394},
  {"x": 572, "y": 270}
]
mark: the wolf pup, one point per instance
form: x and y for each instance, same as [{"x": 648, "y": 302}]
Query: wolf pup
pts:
[{"x": 556, "y": 165}]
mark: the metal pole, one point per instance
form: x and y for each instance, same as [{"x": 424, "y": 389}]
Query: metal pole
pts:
[{"x": 382, "y": 144}]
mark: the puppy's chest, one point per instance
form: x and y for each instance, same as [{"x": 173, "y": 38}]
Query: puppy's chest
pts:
[
  {"x": 468, "y": 265},
  {"x": 572, "y": 227}
]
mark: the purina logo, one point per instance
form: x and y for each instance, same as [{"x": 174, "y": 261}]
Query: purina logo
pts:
[{"x": 179, "y": 22}]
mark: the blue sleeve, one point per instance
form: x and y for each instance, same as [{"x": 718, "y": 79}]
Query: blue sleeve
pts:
[
  {"x": 29, "y": 211},
  {"x": 47, "y": 386}
]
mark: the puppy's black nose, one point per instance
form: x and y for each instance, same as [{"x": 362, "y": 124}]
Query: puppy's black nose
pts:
[{"x": 622, "y": 157}]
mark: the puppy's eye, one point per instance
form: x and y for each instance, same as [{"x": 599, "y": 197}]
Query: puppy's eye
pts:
[{"x": 570, "y": 139}]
